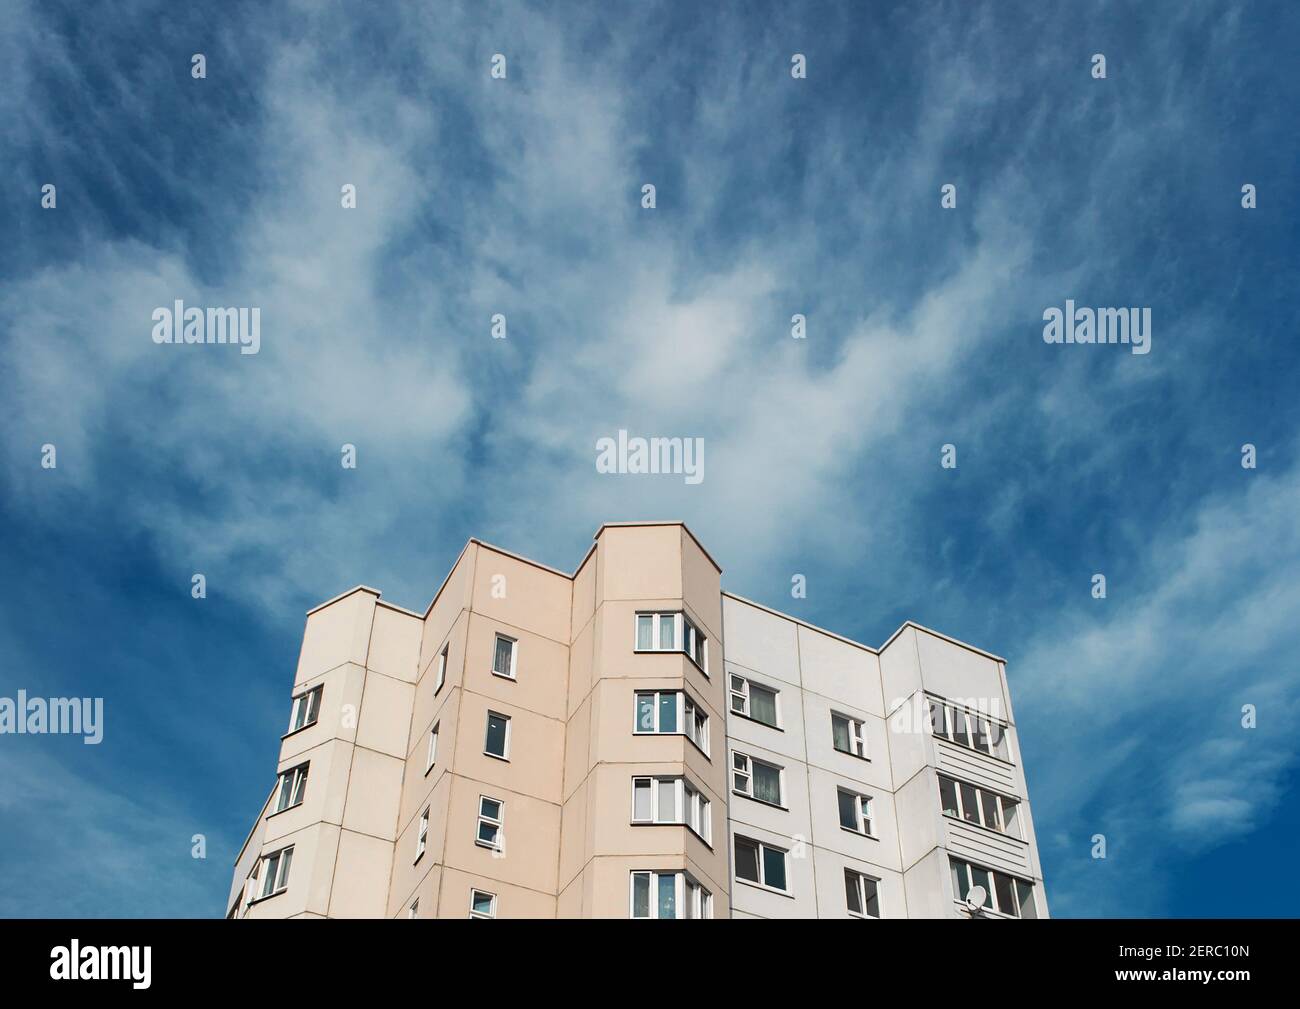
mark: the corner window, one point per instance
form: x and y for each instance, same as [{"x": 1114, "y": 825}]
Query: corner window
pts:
[
  {"x": 414, "y": 910},
  {"x": 1005, "y": 895},
  {"x": 274, "y": 873},
  {"x": 671, "y": 800},
  {"x": 753, "y": 700},
  {"x": 761, "y": 863},
  {"x": 293, "y": 786},
  {"x": 432, "y": 755},
  {"x": 306, "y": 709},
  {"x": 862, "y": 893},
  {"x": 491, "y": 817},
  {"x": 497, "y": 740},
  {"x": 855, "y": 812},
  {"x": 757, "y": 779},
  {"x": 482, "y": 904},
  {"x": 672, "y": 711},
  {"x": 669, "y": 895},
  {"x": 441, "y": 676},
  {"x": 978, "y": 805},
  {"x": 422, "y": 835},
  {"x": 848, "y": 735},
  {"x": 504, "y": 653},
  {"x": 967, "y": 728},
  {"x": 672, "y": 632}
]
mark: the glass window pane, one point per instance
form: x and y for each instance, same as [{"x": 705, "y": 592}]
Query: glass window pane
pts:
[
  {"x": 960, "y": 879},
  {"x": 667, "y": 896},
  {"x": 667, "y": 631},
  {"x": 959, "y": 728},
  {"x": 501, "y": 663},
  {"x": 840, "y": 733},
  {"x": 989, "y": 806},
  {"x": 301, "y": 789},
  {"x": 746, "y": 860},
  {"x": 667, "y": 712},
  {"x": 667, "y": 800},
  {"x": 490, "y": 808},
  {"x": 286, "y": 787},
  {"x": 1009, "y": 821},
  {"x": 1025, "y": 895},
  {"x": 286, "y": 859},
  {"x": 487, "y": 833},
  {"x": 872, "y": 889},
  {"x": 969, "y": 804},
  {"x": 299, "y": 712},
  {"x": 774, "y": 867},
  {"x": 982, "y": 738},
  {"x": 641, "y": 799},
  {"x": 645, "y": 631},
  {"x": 848, "y": 810},
  {"x": 980, "y": 877},
  {"x": 762, "y": 704},
  {"x": 645, "y": 712},
  {"x": 851, "y": 892},
  {"x": 767, "y": 783},
  {"x": 640, "y": 895},
  {"x": 1005, "y": 890},
  {"x": 998, "y": 740},
  {"x": 948, "y": 795},
  {"x": 936, "y": 719},
  {"x": 496, "y": 735}
]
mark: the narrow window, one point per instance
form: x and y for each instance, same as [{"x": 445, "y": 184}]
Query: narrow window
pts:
[
  {"x": 482, "y": 904},
  {"x": 293, "y": 787},
  {"x": 432, "y": 755},
  {"x": 275, "y": 872},
  {"x": 855, "y": 812},
  {"x": 862, "y": 893},
  {"x": 948, "y": 796},
  {"x": 645, "y": 632},
  {"x": 414, "y": 910},
  {"x": 503, "y": 657},
  {"x": 306, "y": 709},
  {"x": 422, "y": 835},
  {"x": 491, "y": 815},
  {"x": 441, "y": 677},
  {"x": 497, "y": 742}
]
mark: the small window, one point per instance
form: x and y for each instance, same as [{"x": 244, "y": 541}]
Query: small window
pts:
[
  {"x": 1006, "y": 895},
  {"x": 753, "y": 700},
  {"x": 977, "y": 805},
  {"x": 491, "y": 816},
  {"x": 669, "y": 895},
  {"x": 275, "y": 872},
  {"x": 293, "y": 786},
  {"x": 414, "y": 910},
  {"x": 760, "y": 863},
  {"x": 432, "y": 755},
  {"x": 306, "y": 709},
  {"x": 848, "y": 735},
  {"x": 855, "y": 812},
  {"x": 672, "y": 632},
  {"x": 497, "y": 741},
  {"x": 671, "y": 711},
  {"x": 503, "y": 656},
  {"x": 441, "y": 677},
  {"x": 862, "y": 893},
  {"x": 422, "y": 835},
  {"x": 757, "y": 779},
  {"x": 482, "y": 904}
]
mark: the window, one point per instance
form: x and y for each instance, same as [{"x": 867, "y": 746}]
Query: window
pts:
[
  {"x": 293, "y": 784},
  {"x": 414, "y": 910},
  {"x": 862, "y": 893},
  {"x": 1007, "y": 895},
  {"x": 672, "y": 711},
  {"x": 422, "y": 835},
  {"x": 855, "y": 812},
  {"x": 432, "y": 755},
  {"x": 306, "y": 709},
  {"x": 482, "y": 904},
  {"x": 672, "y": 632},
  {"x": 760, "y": 863},
  {"x": 848, "y": 735},
  {"x": 669, "y": 895},
  {"x": 497, "y": 741},
  {"x": 503, "y": 657},
  {"x": 969, "y": 729},
  {"x": 442, "y": 669},
  {"x": 275, "y": 872},
  {"x": 491, "y": 815},
  {"x": 671, "y": 800},
  {"x": 757, "y": 779},
  {"x": 753, "y": 700},
  {"x": 978, "y": 805}
]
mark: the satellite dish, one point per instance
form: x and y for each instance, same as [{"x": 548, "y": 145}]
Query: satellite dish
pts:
[{"x": 975, "y": 897}]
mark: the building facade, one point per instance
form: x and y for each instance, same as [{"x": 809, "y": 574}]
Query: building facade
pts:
[{"x": 631, "y": 741}]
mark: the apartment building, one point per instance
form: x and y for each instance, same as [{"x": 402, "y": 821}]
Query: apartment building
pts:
[{"x": 631, "y": 741}]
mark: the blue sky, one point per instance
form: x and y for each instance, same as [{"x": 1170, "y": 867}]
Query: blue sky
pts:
[{"x": 774, "y": 196}]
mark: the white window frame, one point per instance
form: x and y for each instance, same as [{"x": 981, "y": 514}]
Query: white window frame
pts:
[
  {"x": 422, "y": 835},
  {"x": 686, "y": 709},
  {"x": 993, "y": 904},
  {"x": 859, "y": 881},
  {"x": 414, "y": 910},
  {"x": 296, "y": 779},
  {"x": 514, "y": 656},
  {"x": 857, "y": 735},
  {"x": 441, "y": 676},
  {"x": 308, "y": 702},
  {"x": 748, "y": 772},
  {"x": 505, "y": 743},
  {"x": 275, "y": 879},
  {"x": 686, "y": 634},
  {"x": 741, "y": 693},
  {"x": 431, "y": 757},
  {"x": 861, "y": 811},
  {"x": 691, "y": 899},
  {"x": 971, "y": 725},
  {"x": 1000, "y": 804},
  {"x": 499, "y": 822},
  {"x": 492, "y": 903},
  {"x": 690, "y": 807},
  {"x": 762, "y": 864}
]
